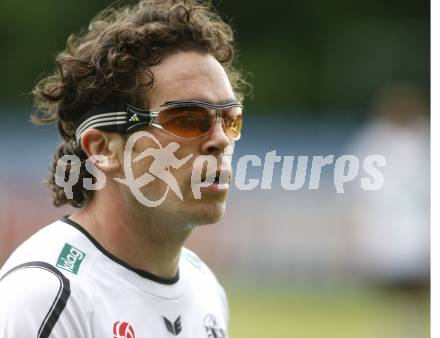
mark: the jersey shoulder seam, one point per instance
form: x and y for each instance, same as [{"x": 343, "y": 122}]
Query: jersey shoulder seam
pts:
[{"x": 60, "y": 300}]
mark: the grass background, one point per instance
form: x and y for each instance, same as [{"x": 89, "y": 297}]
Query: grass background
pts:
[{"x": 340, "y": 313}]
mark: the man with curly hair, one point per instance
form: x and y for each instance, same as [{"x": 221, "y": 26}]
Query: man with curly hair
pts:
[{"x": 115, "y": 266}]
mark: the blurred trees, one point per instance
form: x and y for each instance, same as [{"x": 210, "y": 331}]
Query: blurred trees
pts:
[{"x": 325, "y": 57}]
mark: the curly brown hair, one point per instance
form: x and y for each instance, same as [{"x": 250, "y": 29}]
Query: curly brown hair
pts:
[{"x": 110, "y": 63}]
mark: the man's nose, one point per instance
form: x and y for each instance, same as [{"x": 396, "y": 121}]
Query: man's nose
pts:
[{"x": 217, "y": 140}]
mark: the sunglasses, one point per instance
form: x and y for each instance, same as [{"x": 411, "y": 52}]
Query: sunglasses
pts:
[
  {"x": 190, "y": 119},
  {"x": 187, "y": 119}
]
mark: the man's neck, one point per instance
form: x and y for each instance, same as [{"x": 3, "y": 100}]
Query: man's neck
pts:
[{"x": 145, "y": 244}]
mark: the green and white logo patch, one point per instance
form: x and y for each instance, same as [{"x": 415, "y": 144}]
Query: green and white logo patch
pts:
[{"x": 70, "y": 258}]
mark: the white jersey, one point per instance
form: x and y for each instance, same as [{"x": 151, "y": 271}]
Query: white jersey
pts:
[{"x": 61, "y": 283}]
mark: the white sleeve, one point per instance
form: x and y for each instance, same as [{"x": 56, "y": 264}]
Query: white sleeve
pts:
[
  {"x": 36, "y": 301},
  {"x": 225, "y": 304}
]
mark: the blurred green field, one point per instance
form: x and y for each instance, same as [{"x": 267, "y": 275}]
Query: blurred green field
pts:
[{"x": 360, "y": 313}]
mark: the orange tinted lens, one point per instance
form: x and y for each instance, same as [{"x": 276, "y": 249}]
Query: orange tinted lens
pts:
[
  {"x": 233, "y": 121},
  {"x": 186, "y": 121}
]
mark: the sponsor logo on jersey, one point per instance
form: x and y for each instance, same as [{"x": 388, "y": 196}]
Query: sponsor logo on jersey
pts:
[
  {"x": 212, "y": 328},
  {"x": 70, "y": 258},
  {"x": 173, "y": 327},
  {"x": 193, "y": 259},
  {"x": 123, "y": 330}
]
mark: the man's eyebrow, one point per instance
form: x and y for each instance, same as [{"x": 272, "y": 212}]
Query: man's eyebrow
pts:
[
  {"x": 228, "y": 101},
  {"x": 199, "y": 99}
]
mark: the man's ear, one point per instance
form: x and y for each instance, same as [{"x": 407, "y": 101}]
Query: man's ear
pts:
[{"x": 110, "y": 145}]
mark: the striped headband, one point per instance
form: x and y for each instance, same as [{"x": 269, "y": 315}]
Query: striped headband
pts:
[{"x": 118, "y": 121}]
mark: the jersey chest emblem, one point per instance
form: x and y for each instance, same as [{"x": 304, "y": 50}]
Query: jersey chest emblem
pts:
[
  {"x": 70, "y": 258},
  {"x": 123, "y": 330},
  {"x": 212, "y": 328},
  {"x": 173, "y": 327}
]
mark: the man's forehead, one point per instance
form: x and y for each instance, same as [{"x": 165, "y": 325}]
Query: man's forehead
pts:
[{"x": 189, "y": 76}]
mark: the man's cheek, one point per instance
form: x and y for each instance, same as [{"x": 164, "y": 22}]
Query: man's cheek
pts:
[
  {"x": 141, "y": 167},
  {"x": 183, "y": 177},
  {"x": 229, "y": 150},
  {"x": 226, "y": 164}
]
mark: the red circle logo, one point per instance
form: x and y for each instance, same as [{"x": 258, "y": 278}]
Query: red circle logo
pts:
[{"x": 123, "y": 330}]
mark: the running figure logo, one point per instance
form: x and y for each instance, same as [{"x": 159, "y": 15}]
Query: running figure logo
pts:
[{"x": 164, "y": 158}]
